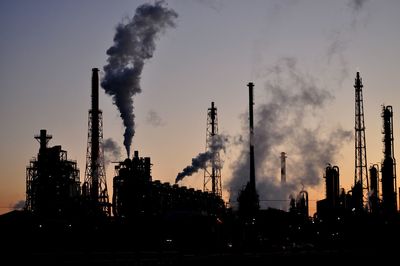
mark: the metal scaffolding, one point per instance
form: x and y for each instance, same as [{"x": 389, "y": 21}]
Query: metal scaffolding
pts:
[
  {"x": 95, "y": 186},
  {"x": 361, "y": 172},
  {"x": 52, "y": 181},
  {"x": 212, "y": 173}
]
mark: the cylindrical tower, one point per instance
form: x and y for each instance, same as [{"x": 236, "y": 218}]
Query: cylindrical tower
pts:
[
  {"x": 374, "y": 188},
  {"x": 389, "y": 202},
  {"x": 332, "y": 186},
  {"x": 283, "y": 168},
  {"x": 251, "y": 122}
]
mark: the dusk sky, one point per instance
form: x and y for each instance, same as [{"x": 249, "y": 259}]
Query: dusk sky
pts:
[{"x": 288, "y": 48}]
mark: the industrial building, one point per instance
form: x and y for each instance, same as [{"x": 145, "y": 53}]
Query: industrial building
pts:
[
  {"x": 149, "y": 214},
  {"x": 52, "y": 181},
  {"x": 136, "y": 194}
]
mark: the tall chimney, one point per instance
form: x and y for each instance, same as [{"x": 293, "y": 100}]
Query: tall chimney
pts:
[
  {"x": 283, "y": 168},
  {"x": 252, "y": 167},
  {"x": 213, "y": 111},
  {"x": 95, "y": 134}
]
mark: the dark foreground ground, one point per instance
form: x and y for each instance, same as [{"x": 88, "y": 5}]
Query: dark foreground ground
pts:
[
  {"x": 105, "y": 258},
  {"x": 26, "y": 240}
]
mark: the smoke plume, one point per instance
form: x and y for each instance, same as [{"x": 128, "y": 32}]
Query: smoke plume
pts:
[
  {"x": 154, "y": 119},
  {"x": 217, "y": 144},
  {"x": 357, "y": 5},
  {"x": 134, "y": 42},
  {"x": 112, "y": 151},
  {"x": 216, "y": 5},
  {"x": 341, "y": 37},
  {"x": 287, "y": 120}
]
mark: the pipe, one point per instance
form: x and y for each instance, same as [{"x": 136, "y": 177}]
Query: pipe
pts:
[
  {"x": 252, "y": 167},
  {"x": 95, "y": 135}
]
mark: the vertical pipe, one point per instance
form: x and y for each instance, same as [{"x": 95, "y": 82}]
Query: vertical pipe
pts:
[
  {"x": 374, "y": 188},
  {"x": 252, "y": 167},
  {"x": 43, "y": 140},
  {"x": 336, "y": 185},
  {"x": 283, "y": 168},
  {"x": 95, "y": 135}
]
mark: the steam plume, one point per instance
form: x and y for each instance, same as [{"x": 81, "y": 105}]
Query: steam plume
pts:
[
  {"x": 200, "y": 161},
  {"x": 134, "y": 42},
  {"x": 288, "y": 120}
]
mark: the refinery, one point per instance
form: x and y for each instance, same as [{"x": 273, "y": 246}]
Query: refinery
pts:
[{"x": 66, "y": 219}]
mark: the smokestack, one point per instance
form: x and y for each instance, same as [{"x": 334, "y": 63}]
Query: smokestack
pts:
[
  {"x": 252, "y": 167},
  {"x": 213, "y": 170},
  {"x": 94, "y": 156},
  {"x": 283, "y": 168}
]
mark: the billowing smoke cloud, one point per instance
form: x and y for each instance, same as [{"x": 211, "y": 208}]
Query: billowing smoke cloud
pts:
[
  {"x": 154, "y": 119},
  {"x": 112, "y": 151},
  {"x": 287, "y": 120},
  {"x": 200, "y": 161},
  {"x": 134, "y": 42}
]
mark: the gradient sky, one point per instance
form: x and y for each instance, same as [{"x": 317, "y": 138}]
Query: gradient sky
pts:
[{"x": 48, "y": 48}]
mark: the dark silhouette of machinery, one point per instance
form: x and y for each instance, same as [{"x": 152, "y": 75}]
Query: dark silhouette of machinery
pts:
[
  {"x": 212, "y": 172},
  {"x": 94, "y": 188},
  {"x": 299, "y": 205},
  {"x": 360, "y": 170},
  {"x": 154, "y": 216},
  {"x": 137, "y": 195},
  {"x": 52, "y": 181},
  {"x": 332, "y": 201}
]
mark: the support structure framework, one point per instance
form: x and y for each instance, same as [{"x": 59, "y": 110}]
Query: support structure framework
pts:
[
  {"x": 95, "y": 185},
  {"x": 212, "y": 173},
  {"x": 361, "y": 171}
]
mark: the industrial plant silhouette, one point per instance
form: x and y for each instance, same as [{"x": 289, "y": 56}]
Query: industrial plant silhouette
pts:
[{"x": 148, "y": 222}]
